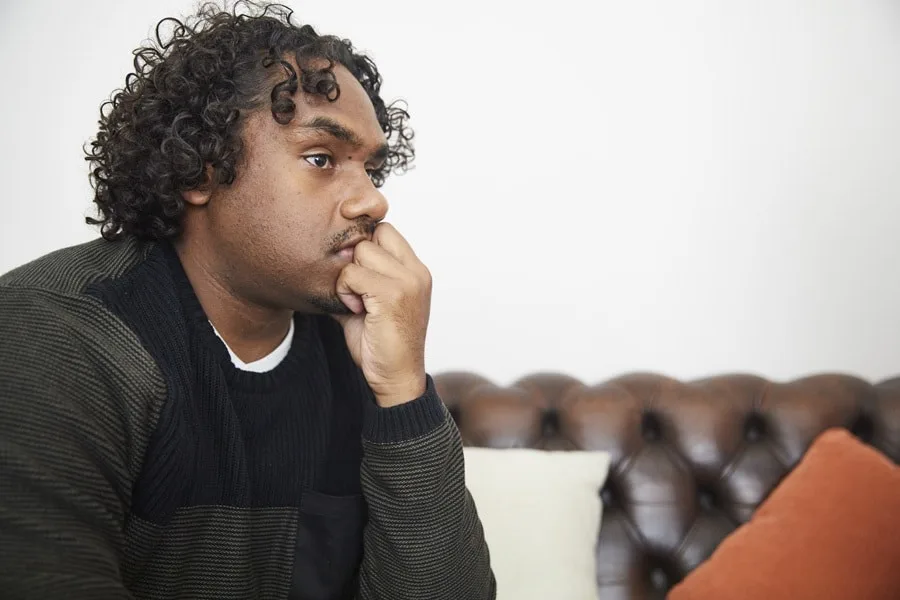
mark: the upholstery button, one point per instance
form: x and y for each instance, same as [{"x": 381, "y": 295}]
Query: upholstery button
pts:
[
  {"x": 659, "y": 579},
  {"x": 651, "y": 428},
  {"x": 754, "y": 427},
  {"x": 606, "y": 496},
  {"x": 707, "y": 498},
  {"x": 549, "y": 423},
  {"x": 863, "y": 428}
]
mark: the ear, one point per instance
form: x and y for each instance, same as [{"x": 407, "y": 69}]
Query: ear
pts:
[{"x": 200, "y": 195}]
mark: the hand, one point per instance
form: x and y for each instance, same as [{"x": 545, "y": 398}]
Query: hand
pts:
[{"x": 389, "y": 291}]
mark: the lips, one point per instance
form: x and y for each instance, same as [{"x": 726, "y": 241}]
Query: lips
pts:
[
  {"x": 349, "y": 245},
  {"x": 345, "y": 251}
]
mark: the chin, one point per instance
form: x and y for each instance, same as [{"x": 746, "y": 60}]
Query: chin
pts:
[{"x": 329, "y": 305}]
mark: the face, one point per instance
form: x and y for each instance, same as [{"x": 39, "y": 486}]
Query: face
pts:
[{"x": 302, "y": 191}]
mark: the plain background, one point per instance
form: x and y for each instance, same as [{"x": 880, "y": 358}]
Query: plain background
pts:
[{"x": 692, "y": 187}]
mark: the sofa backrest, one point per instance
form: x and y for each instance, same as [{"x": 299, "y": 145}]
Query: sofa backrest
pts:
[{"x": 690, "y": 460}]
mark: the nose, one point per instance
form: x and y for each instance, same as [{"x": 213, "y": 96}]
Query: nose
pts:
[{"x": 365, "y": 200}]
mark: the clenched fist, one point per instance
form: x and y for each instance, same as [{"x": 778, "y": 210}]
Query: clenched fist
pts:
[{"x": 388, "y": 289}]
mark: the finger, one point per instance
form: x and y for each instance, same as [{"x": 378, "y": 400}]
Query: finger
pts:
[
  {"x": 352, "y": 302},
  {"x": 372, "y": 256},
  {"x": 356, "y": 283},
  {"x": 387, "y": 236}
]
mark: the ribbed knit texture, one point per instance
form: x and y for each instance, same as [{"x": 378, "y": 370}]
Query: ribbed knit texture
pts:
[
  {"x": 429, "y": 542},
  {"x": 137, "y": 462}
]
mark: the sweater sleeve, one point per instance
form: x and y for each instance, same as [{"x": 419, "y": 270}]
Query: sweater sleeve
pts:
[
  {"x": 424, "y": 538},
  {"x": 63, "y": 458}
]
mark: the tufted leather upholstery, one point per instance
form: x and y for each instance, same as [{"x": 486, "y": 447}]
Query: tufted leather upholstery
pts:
[{"x": 690, "y": 461}]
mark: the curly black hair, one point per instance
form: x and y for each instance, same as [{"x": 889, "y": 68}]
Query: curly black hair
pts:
[{"x": 183, "y": 106}]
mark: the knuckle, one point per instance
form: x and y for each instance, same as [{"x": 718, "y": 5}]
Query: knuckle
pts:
[
  {"x": 427, "y": 277},
  {"x": 349, "y": 272},
  {"x": 361, "y": 250}
]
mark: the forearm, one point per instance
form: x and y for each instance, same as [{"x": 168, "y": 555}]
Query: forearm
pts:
[{"x": 424, "y": 538}]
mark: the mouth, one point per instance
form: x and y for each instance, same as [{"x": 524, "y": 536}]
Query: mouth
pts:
[{"x": 345, "y": 251}]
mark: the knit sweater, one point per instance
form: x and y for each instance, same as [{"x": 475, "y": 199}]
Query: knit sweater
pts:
[{"x": 137, "y": 462}]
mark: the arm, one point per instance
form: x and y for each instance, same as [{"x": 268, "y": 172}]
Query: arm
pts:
[
  {"x": 61, "y": 460},
  {"x": 424, "y": 538}
]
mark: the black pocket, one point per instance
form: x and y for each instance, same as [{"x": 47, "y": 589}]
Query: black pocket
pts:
[{"x": 329, "y": 547}]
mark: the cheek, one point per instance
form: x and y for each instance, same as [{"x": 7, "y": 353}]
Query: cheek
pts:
[
  {"x": 282, "y": 239},
  {"x": 290, "y": 248},
  {"x": 278, "y": 225}
]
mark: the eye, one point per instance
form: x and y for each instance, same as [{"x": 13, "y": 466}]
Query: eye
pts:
[
  {"x": 320, "y": 161},
  {"x": 378, "y": 168}
]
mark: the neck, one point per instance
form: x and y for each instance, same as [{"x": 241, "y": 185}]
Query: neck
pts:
[{"x": 251, "y": 330}]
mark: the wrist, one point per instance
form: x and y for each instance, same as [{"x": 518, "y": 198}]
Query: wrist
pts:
[
  {"x": 401, "y": 392},
  {"x": 404, "y": 421}
]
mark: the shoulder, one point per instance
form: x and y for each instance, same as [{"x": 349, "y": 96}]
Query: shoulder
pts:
[
  {"x": 68, "y": 271},
  {"x": 45, "y": 306},
  {"x": 67, "y": 361}
]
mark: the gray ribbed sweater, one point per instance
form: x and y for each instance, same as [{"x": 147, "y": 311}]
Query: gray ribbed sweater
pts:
[{"x": 135, "y": 462}]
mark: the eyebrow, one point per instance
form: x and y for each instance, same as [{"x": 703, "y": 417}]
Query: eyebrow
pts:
[{"x": 336, "y": 130}]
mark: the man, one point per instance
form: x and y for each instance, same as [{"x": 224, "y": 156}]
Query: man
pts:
[{"x": 225, "y": 396}]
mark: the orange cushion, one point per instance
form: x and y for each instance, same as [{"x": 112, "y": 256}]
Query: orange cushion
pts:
[{"x": 829, "y": 530}]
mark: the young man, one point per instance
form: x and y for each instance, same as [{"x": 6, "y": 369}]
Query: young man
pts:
[{"x": 225, "y": 396}]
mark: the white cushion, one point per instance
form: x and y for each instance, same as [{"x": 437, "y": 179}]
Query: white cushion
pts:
[{"x": 541, "y": 515}]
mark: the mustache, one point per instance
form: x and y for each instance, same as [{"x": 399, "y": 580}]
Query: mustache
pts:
[{"x": 365, "y": 226}]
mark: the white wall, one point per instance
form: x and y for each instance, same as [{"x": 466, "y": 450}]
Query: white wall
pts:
[{"x": 687, "y": 187}]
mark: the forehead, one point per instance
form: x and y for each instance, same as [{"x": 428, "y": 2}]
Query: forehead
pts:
[{"x": 353, "y": 109}]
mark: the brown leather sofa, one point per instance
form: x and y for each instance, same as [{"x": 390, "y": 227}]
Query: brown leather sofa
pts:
[{"x": 690, "y": 461}]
